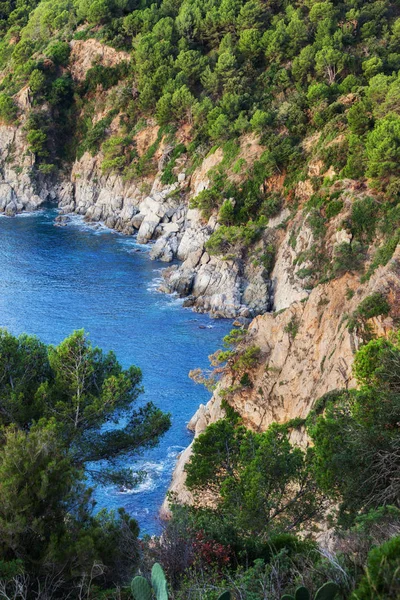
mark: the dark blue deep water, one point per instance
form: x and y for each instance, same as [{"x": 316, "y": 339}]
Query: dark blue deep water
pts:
[{"x": 57, "y": 279}]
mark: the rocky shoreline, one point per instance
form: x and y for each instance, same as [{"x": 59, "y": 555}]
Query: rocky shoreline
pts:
[{"x": 223, "y": 288}]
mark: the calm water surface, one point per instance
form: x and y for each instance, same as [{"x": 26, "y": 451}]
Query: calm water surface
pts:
[{"x": 57, "y": 279}]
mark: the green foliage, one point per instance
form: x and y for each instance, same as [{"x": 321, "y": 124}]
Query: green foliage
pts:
[
  {"x": 357, "y": 432},
  {"x": 251, "y": 475},
  {"x": 226, "y": 214},
  {"x": 119, "y": 152},
  {"x": 37, "y": 142},
  {"x": 333, "y": 208},
  {"x": 82, "y": 389},
  {"x": 207, "y": 200},
  {"x": 372, "y": 306},
  {"x": 97, "y": 134},
  {"x": 327, "y": 592},
  {"x": 59, "y": 53},
  {"x": 232, "y": 240},
  {"x": 292, "y": 327},
  {"x": 247, "y": 359},
  {"x": 8, "y": 110},
  {"x": 37, "y": 81},
  {"x": 381, "y": 580},
  {"x": 348, "y": 257},
  {"x": 168, "y": 176},
  {"x": 363, "y": 218},
  {"x": 104, "y": 77},
  {"x": 45, "y": 514},
  {"x": 384, "y": 253},
  {"x": 279, "y": 73},
  {"x": 383, "y": 151},
  {"x": 54, "y": 403}
]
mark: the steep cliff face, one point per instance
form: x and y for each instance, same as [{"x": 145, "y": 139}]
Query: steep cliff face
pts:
[
  {"x": 161, "y": 213},
  {"x": 142, "y": 205},
  {"x": 306, "y": 350},
  {"x": 18, "y": 192}
]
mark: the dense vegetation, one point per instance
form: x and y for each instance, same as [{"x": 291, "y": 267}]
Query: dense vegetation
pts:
[
  {"x": 316, "y": 84},
  {"x": 280, "y": 70},
  {"x": 54, "y": 402},
  {"x": 264, "y": 495},
  {"x": 256, "y": 492}
]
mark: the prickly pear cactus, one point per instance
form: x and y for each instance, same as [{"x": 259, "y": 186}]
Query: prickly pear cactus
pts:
[
  {"x": 302, "y": 593},
  {"x": 159, "y": 582},
  {"x": 141, "y": 589},
  {"x": 327, "y": 592}
]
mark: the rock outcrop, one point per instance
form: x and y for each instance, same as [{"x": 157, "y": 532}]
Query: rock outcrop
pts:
[
  {"x": 17, "y": 193},
  {"x": 154, "y": 212},
  {"x": 307, "y": 350},
  {"x": 223, "y": 288}
]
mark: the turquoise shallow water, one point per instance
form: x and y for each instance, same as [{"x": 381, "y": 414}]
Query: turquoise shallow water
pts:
[{"x": 57, "y": 279}]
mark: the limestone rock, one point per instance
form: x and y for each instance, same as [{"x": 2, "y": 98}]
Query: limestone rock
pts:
[
  {"x": 298, "y": 369},
  {"x": 147, "y": 228},
  {"x": 165, "y": 248}
]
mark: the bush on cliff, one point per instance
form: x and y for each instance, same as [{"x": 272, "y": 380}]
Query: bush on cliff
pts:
[
  {"x": 8, "y": 110},
  {"x": 356, "y": 440}
]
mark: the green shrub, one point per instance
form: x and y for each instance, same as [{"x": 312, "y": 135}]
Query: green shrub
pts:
[
  {"x": 207, "y": 201},
  {"x": 106, "y": 77},
  {"x": 333, "y": 208},
  {"x": 37, "y": 81},
  {"x": 226, "y": 215},
  {"x": 37, "y": 140},
  {"x": 168, "y": 176},
  {"x": 383, "y": 151},
  {"x": 373, "y": 306},
  {"x": 118, "y": 154},
  {"x": 363, "y": 218},
  {"x": 384, "y": 253},
  {"x": 97, "y": 134},
  {"x": 272, "y": 205},
  {"x": 382, "y": 578},
  {"x": 292, "y": 327},
  {"x": 8, "y": 110},
  {"x": 348, "y": 258},
  {"x": 247, "y": 359},
  {"x": 232, "y": 240},
  {"x": 59, "y": 53}
]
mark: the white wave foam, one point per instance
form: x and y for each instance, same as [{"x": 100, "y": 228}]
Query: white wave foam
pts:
[
  {"x": 155, "y": 472},
  {"x": 25, "y": 214}
]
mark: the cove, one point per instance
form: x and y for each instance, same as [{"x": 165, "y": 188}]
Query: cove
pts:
[{"x": 57, "y": 279}]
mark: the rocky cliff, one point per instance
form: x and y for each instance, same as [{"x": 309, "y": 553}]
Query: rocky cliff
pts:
[
  {"x": 306, "y": 349},
  {"x": 143, "y": 206},
  {"x": 301, "y": 303}
]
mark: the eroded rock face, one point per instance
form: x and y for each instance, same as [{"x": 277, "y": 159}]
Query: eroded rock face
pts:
[
  {"x": 307, "y": 350},
  {"x": 85, "y": 52},
  {"x": 163, "y": 216},
  {"x": 18, "y": 191}
]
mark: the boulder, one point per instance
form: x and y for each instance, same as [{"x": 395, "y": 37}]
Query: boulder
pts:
[
  {"x": 165, "y": 248},
  {"x": 147, "y": 228},
  {"x": 137, "y": 220},
  {"x": 170, "y": 227}
]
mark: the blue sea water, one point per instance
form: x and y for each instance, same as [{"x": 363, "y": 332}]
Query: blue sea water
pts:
[{"x": 57, "y": 279}]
